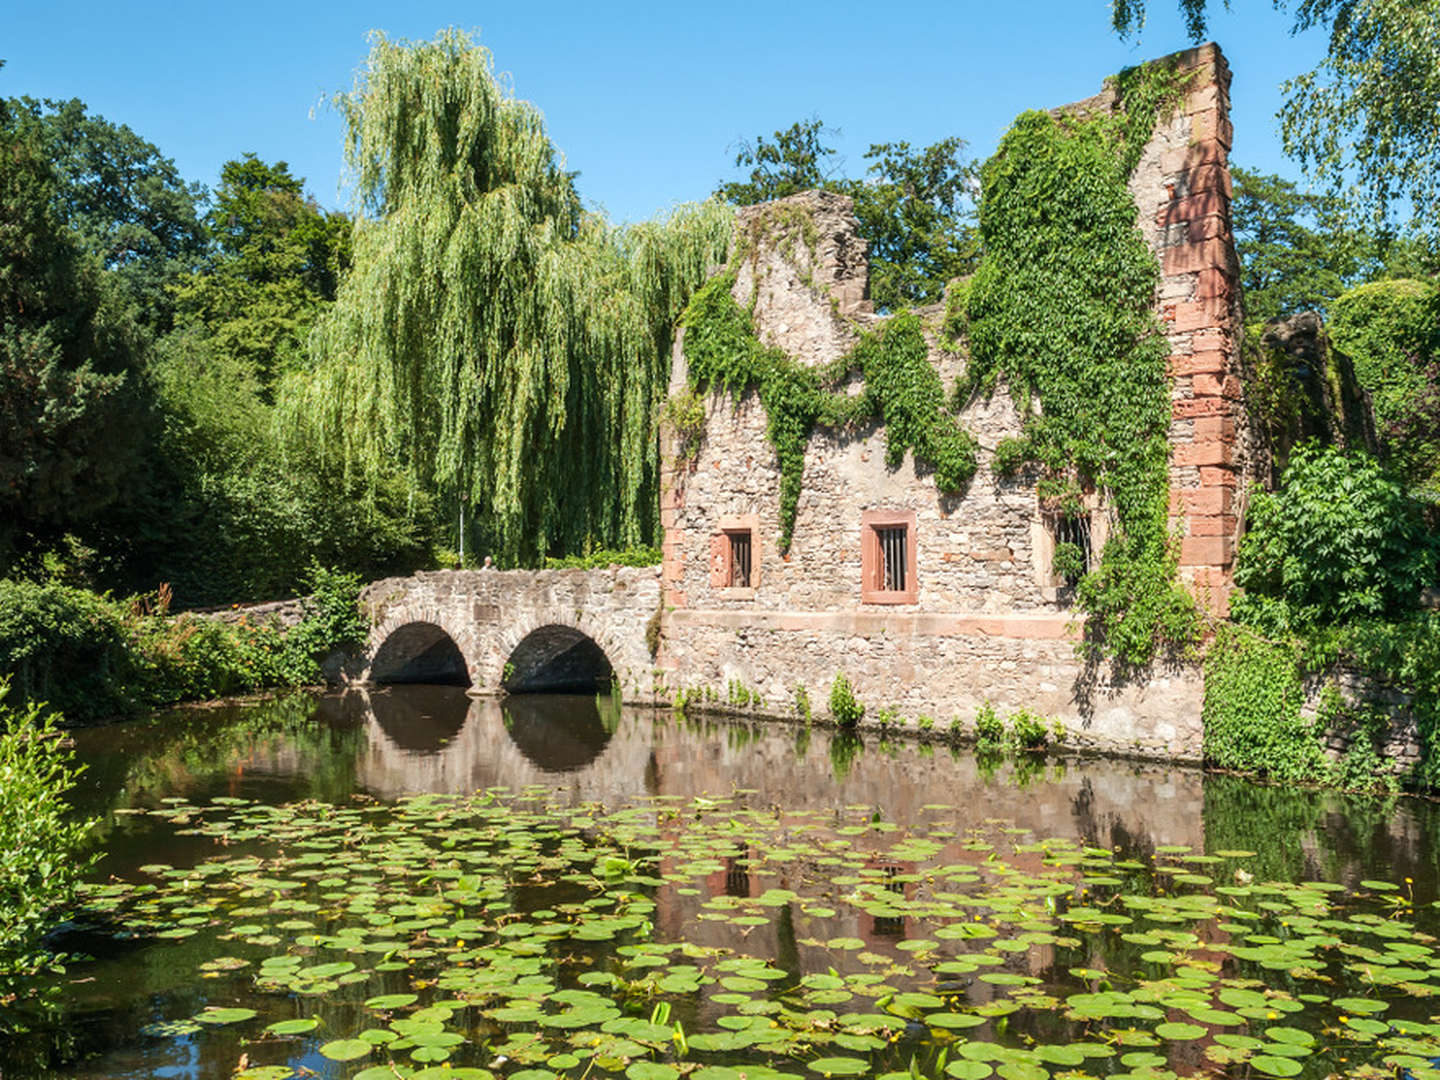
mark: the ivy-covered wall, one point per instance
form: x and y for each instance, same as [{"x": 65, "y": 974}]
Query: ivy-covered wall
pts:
[{"x": 795, "y": 407}]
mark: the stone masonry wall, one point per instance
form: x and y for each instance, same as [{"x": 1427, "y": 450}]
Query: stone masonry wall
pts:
[{"x": 990, "y": 622}]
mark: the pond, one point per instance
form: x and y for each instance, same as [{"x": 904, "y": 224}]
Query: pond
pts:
[{"x": 411, "y": 882}]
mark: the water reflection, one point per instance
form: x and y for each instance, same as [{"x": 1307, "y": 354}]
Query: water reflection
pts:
[
  {"x": 405, "y": 739},
  {"x": 398, "y": 740}
]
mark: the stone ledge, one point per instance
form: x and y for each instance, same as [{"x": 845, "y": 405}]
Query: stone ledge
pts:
[{"x": 1044, "y": 626}]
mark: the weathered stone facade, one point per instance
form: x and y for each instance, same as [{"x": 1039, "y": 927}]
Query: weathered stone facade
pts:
[{"x": 990, "y": 619}]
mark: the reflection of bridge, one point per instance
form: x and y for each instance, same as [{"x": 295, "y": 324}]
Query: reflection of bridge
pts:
[{"x": 518, "y": 630}]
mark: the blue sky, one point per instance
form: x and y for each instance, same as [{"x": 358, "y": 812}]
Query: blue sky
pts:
[{"x": 647, "y": 101}]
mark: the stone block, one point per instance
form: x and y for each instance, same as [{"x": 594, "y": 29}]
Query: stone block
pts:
[
  {"x": 1218, "y": 476},
  {"x": 1209, "y": 452},
  {"x": 1215, "y": 283},
  {"x": 1209, "y": 178},
  {"x": 1221, "y": 428},
  {"x": 1195, "y": 206},
  {"x": 1227, "y": 386},
  {"x": 1205, "y": 363},
  {"x": 1195, "y": 255},
  {"x": 1212, "y": 525},
  {"x": 1188, "y": 408},
  {"x": 1211, "y": 126},
  {"x": 1207, "y": 500},
  {"x": 1199, "y": 314},
  {"x": 1207, "y": 551}
]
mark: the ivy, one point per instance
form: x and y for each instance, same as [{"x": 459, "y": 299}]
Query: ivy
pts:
[
  {"x": 1254, "y": 691},
  {"x": 901, "y": 388},
  {"x": 1061, "y": 309}
]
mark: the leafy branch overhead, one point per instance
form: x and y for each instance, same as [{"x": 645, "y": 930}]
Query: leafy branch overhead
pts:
[{"x": 1364, "y": 121}]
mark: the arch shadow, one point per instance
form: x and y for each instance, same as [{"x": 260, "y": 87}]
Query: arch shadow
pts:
[
  {"x": 420, "y": 652},
  {"x": 557, "y": 659}
]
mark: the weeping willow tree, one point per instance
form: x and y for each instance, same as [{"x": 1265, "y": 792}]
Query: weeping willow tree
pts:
[{"x": 493, "y": 338}]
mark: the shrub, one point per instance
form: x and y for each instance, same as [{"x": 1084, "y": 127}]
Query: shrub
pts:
[
  {"x": 1028, "y": 730},
  {"x": 989, "y": 728},
  {"x": 1342, "y": 539},
  {"x": 843, "y": 706},
  {"x": 40, "y": 839},
  {"x": 641, "y": 556},
  {"x": 1252, "y": 719},
  {"x": 802, "y": 702},
  {"x": 93, "y": 656},
  {"x": 64, "y": 645}
]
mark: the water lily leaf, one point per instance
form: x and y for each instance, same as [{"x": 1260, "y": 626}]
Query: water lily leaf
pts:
[
  {"x": 293, "y": 1027},
  {"x": 1275, "y": 1066},
  {"x": 346, "y": 1049}
]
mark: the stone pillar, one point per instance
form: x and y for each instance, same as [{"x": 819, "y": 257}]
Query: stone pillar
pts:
[{"x": 1182, "y": 189}]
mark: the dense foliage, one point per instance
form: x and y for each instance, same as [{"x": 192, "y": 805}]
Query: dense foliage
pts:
[
  {"x": 41, "y": 838},
  {"x": 1332, "y": 568},
  {"x": 913, "y": 207},
  {"x": 1061, "y": 310},
  {"x": 92, "y": 656},
  {"x": 1340, "y": 540},
  {"x": 1254, "y": 691},
  {"x": 502, "y": 346},
  {"x": 67, "y": 357},
  {"x": 1390, "y": 332}
]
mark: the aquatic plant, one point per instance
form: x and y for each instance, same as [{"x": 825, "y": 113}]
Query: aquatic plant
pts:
[{"x": 505, "y": 927}]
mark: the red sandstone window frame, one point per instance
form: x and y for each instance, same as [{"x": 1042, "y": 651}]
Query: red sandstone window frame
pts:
[
  {"x": 722, "y": 552},
  {"x": 872, "y": 567}
]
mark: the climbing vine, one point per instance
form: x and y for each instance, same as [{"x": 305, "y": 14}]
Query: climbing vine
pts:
[
  {"x": 1252, "y": 715},
  {"x": 901, "y": 388},
  {"x": 1061, "y": 309}
]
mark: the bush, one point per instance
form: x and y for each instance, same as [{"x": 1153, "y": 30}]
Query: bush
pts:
[
  {"x": 40, "y": 839},
  {"x": 1342, "y": 539},
  {"x": 93, "y": 656},
  {"x": 641, "y": 556},
  {"x": 1252, "y": 720},
  {"x": 1028, "y": 730},
  {"x": 1388, "y": 329},
  {"x": 843, "y": 707},
  {"x": 989, "y": 728},
  {"x": 64, "y": 645}
]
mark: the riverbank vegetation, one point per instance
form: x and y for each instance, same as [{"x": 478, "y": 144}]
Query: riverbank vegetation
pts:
[
  {"x": 92, "y": 656},
  {"x": 41, "y": 839}
]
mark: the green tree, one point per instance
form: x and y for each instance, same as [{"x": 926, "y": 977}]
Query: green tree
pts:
[
  {"x": 916, "y": 209},
  {"x": 124, "y": 201},
  {"x": 66, "y": 351},
  {"x": 491, "y": 338},
  {"x": 1390, "y": 330},
  {"x": 1342, "y": 539},
  {"x": 1364, "y": 121},
  {"x": 1293, "y": 254},
  {"x": 915, "y": 206},
  {"x": 278, "y": 261},
  {"x": 793, "y": 160}
]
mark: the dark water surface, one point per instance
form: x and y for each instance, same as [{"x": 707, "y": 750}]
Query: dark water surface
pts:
[{"x": 741, "y": 873}]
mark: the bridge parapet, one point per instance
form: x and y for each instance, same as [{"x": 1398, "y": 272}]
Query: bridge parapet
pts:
[{"x": 419, "y": 623}]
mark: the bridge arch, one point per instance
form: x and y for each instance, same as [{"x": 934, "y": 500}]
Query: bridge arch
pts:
[
  {"x": 556, "y": 658},
  {"x": 418, "y": 651}
]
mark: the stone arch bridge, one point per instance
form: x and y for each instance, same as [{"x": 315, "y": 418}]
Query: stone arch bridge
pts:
[{"x": 514, "y": 630}]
